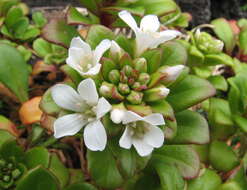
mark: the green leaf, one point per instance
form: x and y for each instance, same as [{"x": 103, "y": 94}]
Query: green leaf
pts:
[
  {"x": 74, "y": 17},
  {"x": 218, "y": 59},
  {"x": 42, "y": 47},
  {"x": 232, "y": 185},
  {"x": 243, "y": 40},
  {"x": 220, "y": 119},
  {"x": 30, "y": 33},
  {"x": 222, "y": 156},
  {"x": 202, "y": 151},
  {"x": 10, "y": 149},
  {"x": 39, "y": 19},
  {"x": 97, "y": 33},
  {"x": 190, "y": 91},
  {"x": 166, "y": 110},
  {"x": 219, "y": 82},
  {"x": 59, "y": 32},
  {"x": 224, "y": 31},
  {"x": 12, "y": 17},
  {"x": 90, "y": 5},
  {"x": 37, "y": 156},
  {"x": 126, "y": 44},
  {"x": 81, "y": 186},
  {"x": 192, "y": 128},
  {"x": 182, "y": 156},
  {"x": 208, "y": 180},
  {"x": 14, "y": 71},
  {"x": 170, "y": 177},
  {"x": 59, "y": 170},
  {"x": 38, "y": 178},
  {"x": 195, "y": 57},
  {"x": 103, "y": 169},
  {"x": 48, "y": 105},
  {"x": 26, "y": 53},
  {"x": 72, "y": 74},
  {"x": 5, "y": 136},
  {"x": 157, "y": 7},
  {"x": 153, "y": 58},
  {"x": 173, "y": 54}
]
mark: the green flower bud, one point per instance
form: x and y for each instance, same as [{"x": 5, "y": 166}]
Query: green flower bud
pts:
[
  {"x": 10, "y": 166},
  {"x": 141, "y": 65},
  {"x": 144, "y": 78},
  {"x": 138, "y": 86},
  {"x": 123, "y": 88},
  {"x": 127, "y": 70},
  {"x": 123, "y": 78},
  {"x": 114, "y": 76},
  {"x": 106, "y": 89},
  {"x": 135, "y": 97},
  {"x": 156, "y": 93},
  {"x": 207, "y": 43},
  {"x": 131, "y": 81},
  {"x": 6, "y": 178},
  {"x": 16, "y": 173}
]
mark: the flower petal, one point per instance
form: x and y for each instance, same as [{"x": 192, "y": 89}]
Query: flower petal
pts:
[
  {"x": 100, "y": 50},
  {"x": 68, "y": 125},
  {"x": 142, "y": 147},
  {"x": 164, "y": 36},
  {"x": 66, "y": 97},
  {"x": 93, "y": 71},
  {"x": 154, "y": 137},
  {"x": 155, "y": 119},
  {"x": 125, "y": 140},
  {"x": 129, "y": 20},
  {"x": 150, "y": 23},
  {"x": 117, "y": 115},
  {"x": 77, "y": 42},
  {"x": 102, "y": 107},
  {"x": 88, "y": 91},
  {"x": 95, "y": 136},
  {"x": 130, "y": 117},
  {"x": 173, "y": 72}
]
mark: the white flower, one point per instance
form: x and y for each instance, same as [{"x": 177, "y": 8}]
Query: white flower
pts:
[
  {"x": 147, "y": 35},
  {"x": 142, "y": 132},
  {"x": 83, "y": 59},
  {"x": 88, "y": 108},
  {"x": 117, "y": 115}
]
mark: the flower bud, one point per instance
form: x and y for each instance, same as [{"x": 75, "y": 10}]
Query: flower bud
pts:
[
  {"x": 117, "y": 113},
  {"x": 127, "y": 70},
  {"x": 171, "y": 73},
  {"x": 156, "y": 93},
  {"x": 16, "y": 173},
  {"x": 123, "y": 88},
  {"x": 135, "y": 97},
  {"x": 106, "y": 89},
  {"x": 115, "y": 51},
  {"x": 141, "y": 65},
  {"x": 114, "y": 76},
  {"x": 123, "y": 77},
  {"x": 144, "y": 78}
]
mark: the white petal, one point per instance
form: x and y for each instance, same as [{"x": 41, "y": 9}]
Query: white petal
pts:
[
  {"x": 129, "y": 20},
  {"x": 130, "y": 116},
  {"x": 68, "y": 125},
  {"x": 93, "y": 71},
  {"x": 115, "y": 49},
  {"x": 117, "y": 115},
  {"x": 102, "y": 107},
  {"x": 95, "y": 136},
  {"x": 164, "y": 91},
  {"x": 150, "y": 23},
  {"x": 125, "y": 140},
  {"x": 79, "y": 43},
  {"x": 88, "y": 91},
  {"x": 67, "y": 98},
  {"x": 142, "y": 147},
  {"x": 144, "y": 41},
  {"x": 155, "y": 119},
  {"x": 154, "y": 137},
  {"x": 101, "y": 49},
  {"x": 173, "y": 72},
  {"x": 164, "y": 36}
]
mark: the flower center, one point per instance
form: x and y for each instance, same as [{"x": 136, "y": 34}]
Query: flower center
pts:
[
  {"x": 86, "y": 63},
  {"x": 90, "y": 113},
  {"x": 138, "y": 129}
]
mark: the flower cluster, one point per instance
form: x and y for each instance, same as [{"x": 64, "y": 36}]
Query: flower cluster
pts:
[{"x": 126, "y": 87}]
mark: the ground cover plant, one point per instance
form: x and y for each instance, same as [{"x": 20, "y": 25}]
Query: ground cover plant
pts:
[{"x": 121, "y": 95}]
